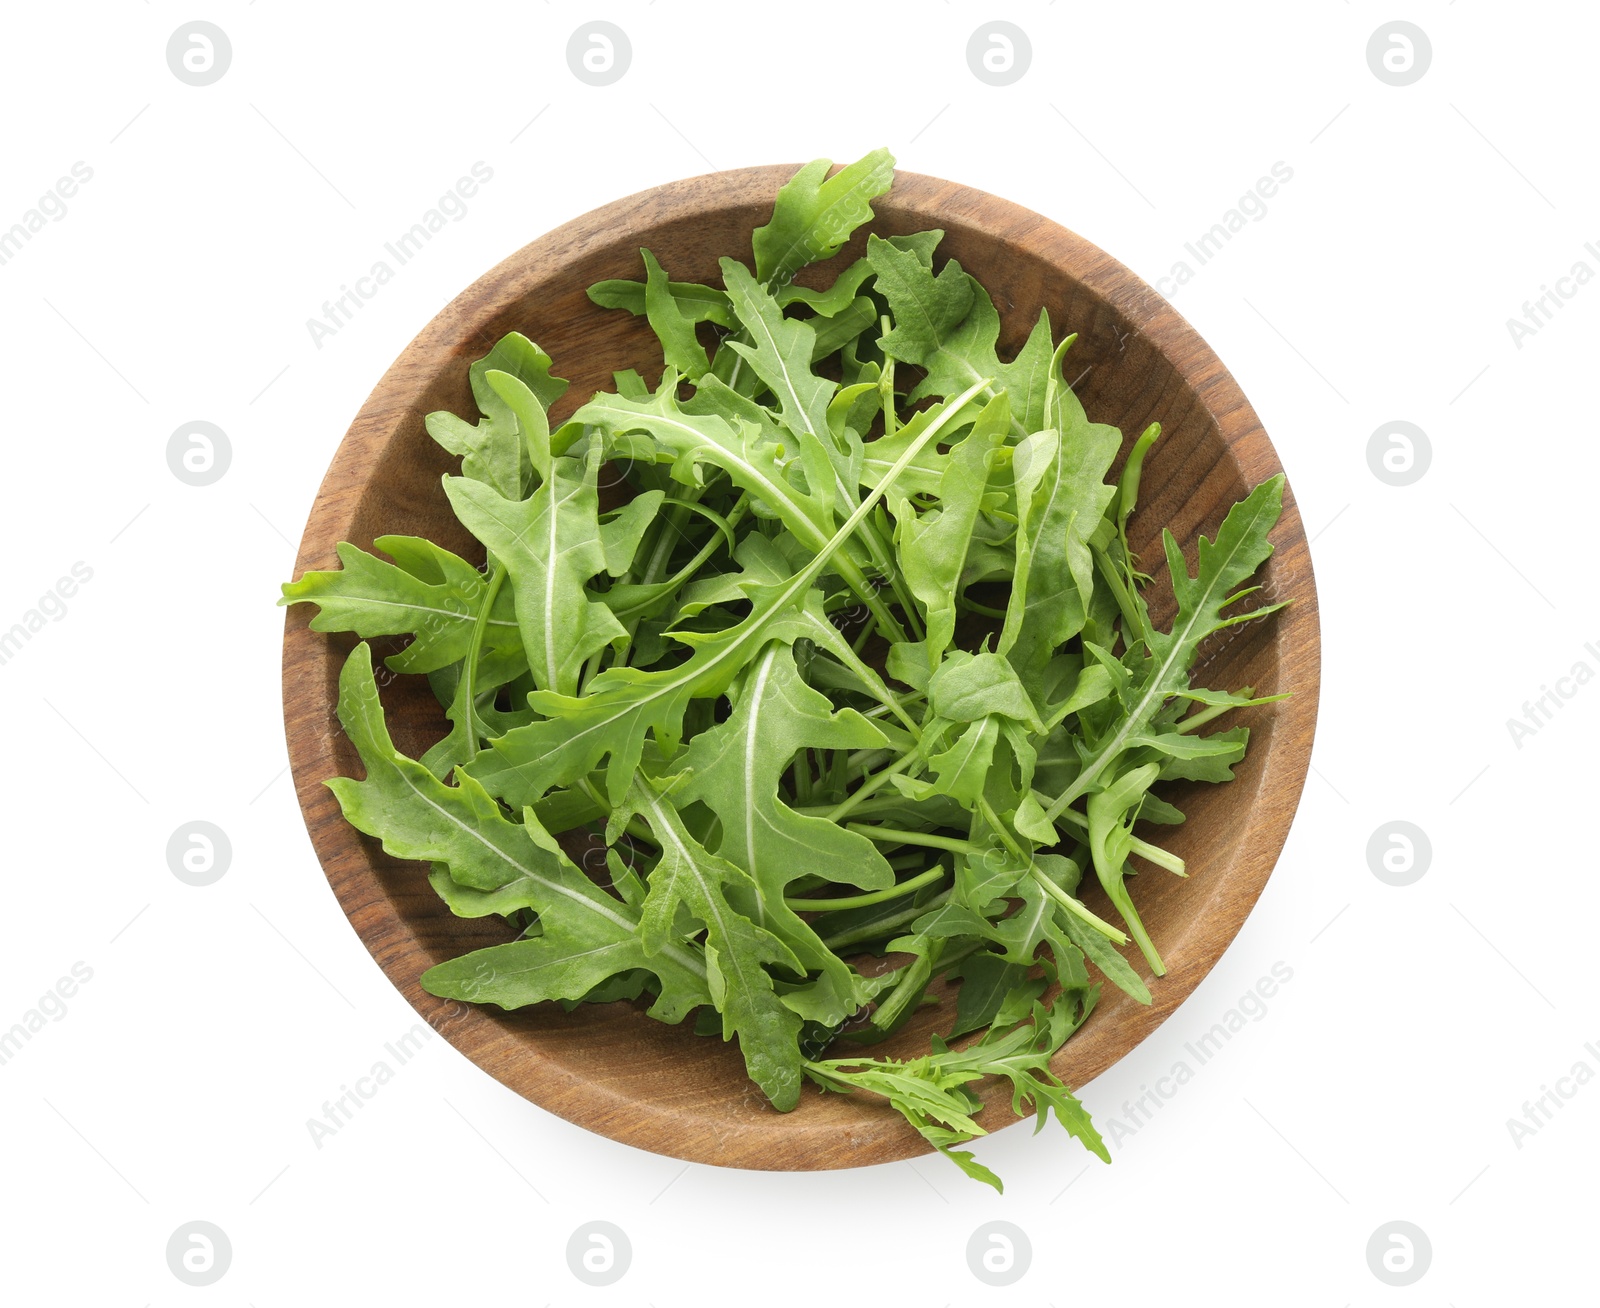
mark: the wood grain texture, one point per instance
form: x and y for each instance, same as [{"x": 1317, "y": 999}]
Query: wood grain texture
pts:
[{"x": 610, "y": 1068}]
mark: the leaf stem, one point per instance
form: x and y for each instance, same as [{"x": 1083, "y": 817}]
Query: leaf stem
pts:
[
  {"x": 1073, "y": 906},
  {"x": 658, "y": 563},
  {"x": 905, "y": 992},
  {"x": 875, "y": 686},
  {"x": 469, "y": 667},
  {"x": 895, "y": 891},
  {"x": 1137, "y": 627},
  {"x": 886, "y": 381},
  {"x": 893, "y": 836},
  {"x": 1076, "y": 907},
  {"x": 1160, "y": 857},
  {"x": 972, "y": 606},
  {"x": 862, "y": 637},
  {"x": 882, "y": 928},
  {"x": 873, "y": 783}
]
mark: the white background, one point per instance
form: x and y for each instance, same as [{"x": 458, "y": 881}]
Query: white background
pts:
[{"x": 1377, "y": 287}]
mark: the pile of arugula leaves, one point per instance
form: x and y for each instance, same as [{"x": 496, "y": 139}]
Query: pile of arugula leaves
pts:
[{"x": 754, "y": 680}]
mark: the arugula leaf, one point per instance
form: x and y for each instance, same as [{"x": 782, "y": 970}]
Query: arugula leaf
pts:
[
  {"x": 987, "y": 982},
  {"x": 1110, "y": 840},
  {"x": 374, "y": 598},
  {"x": 930, "y": 1091},
  {"x": 1061, "y": 497},
  {"x": 690, "y": 878},
  {"x": 734, "y": 768},
  {"x": 1225, "y": 564},
  {"x": 779, "y": 352},
  {"x": 933, "y": 547},
  {"x": 967, "y": 687},
  {"x": 695, "y": 302},
  {"x": 948, "y": 325},
  {"x": 723, "y": 431},
  {"x": 587, "y": 935},
  {"x": 815, "y": 214},
  {"x": 672, "y": 326},
  {"x": 924, "y": 476},
  {"x": 550, "y": 545},
  {"x": 494, "y": 449}
]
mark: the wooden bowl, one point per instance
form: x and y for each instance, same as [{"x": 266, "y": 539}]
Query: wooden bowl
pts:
[{"x": 609, "y": 1067}]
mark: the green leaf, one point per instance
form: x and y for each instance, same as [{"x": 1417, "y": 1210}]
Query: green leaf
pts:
[
  {"x": 987, "y": 980},
  {"x": 925, "y": 475},
  {"x": 927, "y": 309},
  {"x": 837, "y": 298},
  {"x": 551, "y": 546},
  {"x": 1110, "y": 837},
  {"x": 587, "y": 935},
  {"x": 1104, "y": 955},
  {"x": 689, "y": 878},
  {"x": 834, "y": 332},
  {"x": 373, "y": 598},
  {"x": 620, "y": 534},
  {"x": 494, "y": 450},
  {"x": 948, "y": 325},
  {"x": 933, "y": 546},
  {"x": 532, "y": 424},
  {"x": 695, "y": 302},
  {"x": 1225, "y": 565},
  {"x": 733, "y": 769},
  {"x": 964, "y": 767},
  {"x": 466, "y": 727},
  {"x": 516, "y": 355},
  {"x": 1196, "y": 758},
  {"x": 1061, "y": 496},
  {"x": 930, "y": 1093},
  {"x": 673, "y": 328},
  {"x": 814, "y": 214},
  {"x": 726, "y": 440},
  {"x": 780, "y": 351},
  {"x": 967, "y": 687}
]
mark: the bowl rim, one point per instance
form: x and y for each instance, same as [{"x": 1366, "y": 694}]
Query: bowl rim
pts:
[{"x": 311, "y": 727}]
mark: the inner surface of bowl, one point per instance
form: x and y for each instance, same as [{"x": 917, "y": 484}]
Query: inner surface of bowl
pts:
[{"x": 610, "y": 1067}]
